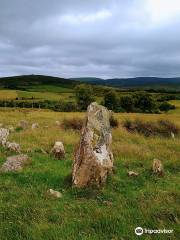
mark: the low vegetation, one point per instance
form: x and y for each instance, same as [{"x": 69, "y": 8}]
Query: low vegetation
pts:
[{"x": 160, "y": 128}]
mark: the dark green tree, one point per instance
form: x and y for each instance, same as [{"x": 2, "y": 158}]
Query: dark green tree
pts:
[
  {"x": 145, "y": 102},
  {"x": 84, "y": 96},
  {"x": 127, "y": 103},
  {"x": 165, "y": 106},
  {"x": 111, "y": 100}
]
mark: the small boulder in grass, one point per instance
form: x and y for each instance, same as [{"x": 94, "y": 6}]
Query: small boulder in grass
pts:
[
  {"x": 15, "y": 163},
  {"x": 12, "y": 146},
  {"x": 132, "y": 174},
  {"x": 158, "y": 167},
  {"x": 23, "y": 124},
  {"x": 58, "y": 123},
  {"x": 34, "y": 126},
  {"x": 54, "y": 193},
  {"x": 58, "y": 150}
]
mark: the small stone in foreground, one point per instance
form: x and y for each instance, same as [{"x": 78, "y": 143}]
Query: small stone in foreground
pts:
[
  {"x": 14, "y": 163},
  {"x": 132, "y": 174},
  {"x": 34, "y": 126},
  {"x": 157, "y": 167},
  {"x": 54, "y": 194},
  {"x": 12, "y": 146},
  {"x": 58, "y": 150}
]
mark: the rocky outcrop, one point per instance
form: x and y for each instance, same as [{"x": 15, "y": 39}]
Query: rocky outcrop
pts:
[
  {"x": 93, "y": 158},
  {"x": 14, "y": 163},
  {"x": 58, "y": 150}
]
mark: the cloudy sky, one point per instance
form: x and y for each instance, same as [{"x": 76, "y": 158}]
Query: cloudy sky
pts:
[{"x": 102, "y": 38}]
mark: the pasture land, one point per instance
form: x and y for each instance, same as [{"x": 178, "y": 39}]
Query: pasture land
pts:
[
  {"x": 36, "y": 95},
  {"x": 111, "y": 212},
  {"x": 8, "y": 94}
]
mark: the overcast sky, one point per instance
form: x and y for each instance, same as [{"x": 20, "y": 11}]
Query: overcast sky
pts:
[{"x": 100, "y": 38}]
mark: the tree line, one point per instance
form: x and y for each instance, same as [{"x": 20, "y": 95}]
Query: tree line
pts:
[{"x": 141, "y": 102}]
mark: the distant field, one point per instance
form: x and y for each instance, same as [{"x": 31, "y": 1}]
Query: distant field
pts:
[
  {"x": 8, "y": 94},
  {"x": 45, "y": 95},
  {"x": 50, "y": 88},
  {"x": 27, "y": 95}
]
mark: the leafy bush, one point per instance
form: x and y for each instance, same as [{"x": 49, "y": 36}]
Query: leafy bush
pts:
[
  {"x": 127, "y": 103},
  {"x": 165, "y": 106},
  {"x": 162, "y": 128},
  {"x": 113, "y": 122},
  {"x": 73, "y": 123}
]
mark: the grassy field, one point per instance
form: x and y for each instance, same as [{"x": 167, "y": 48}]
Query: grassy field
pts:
[
  {"x": 111, "y": 212},
  {"x": 37, "y": 95},
  {"x": 8, "y": 94}
]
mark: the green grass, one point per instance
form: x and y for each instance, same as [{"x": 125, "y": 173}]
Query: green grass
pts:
[
  {"x": 111, "y": 212},
  {"x": 50, "y": 88},
  {"x": 45, "y": 95}
]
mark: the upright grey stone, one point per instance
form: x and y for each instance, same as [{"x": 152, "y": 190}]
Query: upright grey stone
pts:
[{"x": 93, "y": 159}]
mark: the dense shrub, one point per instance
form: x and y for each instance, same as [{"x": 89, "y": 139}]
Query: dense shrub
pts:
[
  {"x": 161, "y": 128},
  {"x": 145, "y": 102},
  {"x": 127, "y": 103},
  {"x": 169, "y": 126},
  {"x": 114, "y": 122},
  {"x": 165, "y": 106},
  {"x": 73, "y": 123},
  {"x": 77, "y": 123}
]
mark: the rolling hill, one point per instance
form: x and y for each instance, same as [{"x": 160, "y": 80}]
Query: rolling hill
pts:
[
  {"x": 40, "y": 82},
  {"x": 137, "y": 82}
]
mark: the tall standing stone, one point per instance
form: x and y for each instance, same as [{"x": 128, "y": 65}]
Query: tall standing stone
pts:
[{"x": 93, "y": 158}]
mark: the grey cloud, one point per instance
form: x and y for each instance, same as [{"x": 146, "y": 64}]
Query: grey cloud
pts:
[{"x": 109, "y": 38}]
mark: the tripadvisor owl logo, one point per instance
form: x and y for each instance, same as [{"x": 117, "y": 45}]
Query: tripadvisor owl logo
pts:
[{"x": 139, "y": 231}]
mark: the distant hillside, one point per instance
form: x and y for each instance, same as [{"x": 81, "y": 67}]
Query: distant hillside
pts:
[
  {"x": 32, "y": 81},
  {"x": 138, "y": 82}
]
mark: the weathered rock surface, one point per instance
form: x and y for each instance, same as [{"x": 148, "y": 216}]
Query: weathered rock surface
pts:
[
  {"x": 58, "y": 150},
  {"x": 54, "y": 193},
  {"x": 14, "y": 163},
  {"x": 157, "y": 167},
  {"x": 93, "y": 158},
  {"x": 23, "y": 124},
  {"x": 4, "y": 133}
]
